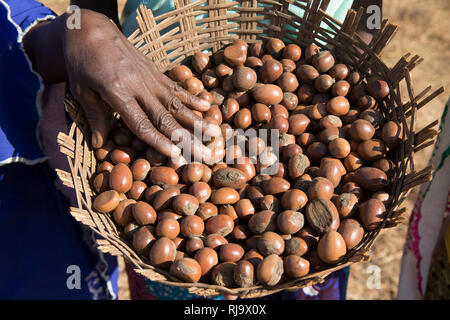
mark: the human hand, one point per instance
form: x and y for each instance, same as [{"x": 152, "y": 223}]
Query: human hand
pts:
[{"x": 104, "y": 70}]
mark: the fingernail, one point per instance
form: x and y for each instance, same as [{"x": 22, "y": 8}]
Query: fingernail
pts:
[
  {"x": 205, "y": 103},
  {"x": 175, "y": 152},
  {"x": 96, "y": 139}
]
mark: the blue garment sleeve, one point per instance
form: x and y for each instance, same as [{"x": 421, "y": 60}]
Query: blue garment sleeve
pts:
[
  {"x": 25, "y": 13},
  {"x": 20, "y": 86}
]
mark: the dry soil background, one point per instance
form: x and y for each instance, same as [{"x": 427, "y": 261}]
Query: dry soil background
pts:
[{"x": 424, "y": 30}]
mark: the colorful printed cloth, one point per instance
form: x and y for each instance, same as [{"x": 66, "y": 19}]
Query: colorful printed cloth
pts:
[
  {"x": 429, "y": 216},
  {"x": 46, "y": 254},
  {"x": 333, "y": 288}
]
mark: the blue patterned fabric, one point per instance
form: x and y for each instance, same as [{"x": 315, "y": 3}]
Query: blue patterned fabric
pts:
[{"x": 43, "y": 248}]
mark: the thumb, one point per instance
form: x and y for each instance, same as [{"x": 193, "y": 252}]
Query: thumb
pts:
[{"x": 97, "y": 116}]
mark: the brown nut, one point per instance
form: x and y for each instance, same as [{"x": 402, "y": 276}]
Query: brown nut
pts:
[
  {"x": 155, "y": 158},
  {"x": 323, "y": 83},
  {"x": 270, "y": 270},
  {"x": 229, "y": 177},
  {"x": 320, "y": 188},
  {"x": 121, "y": 178},
  {"x": 234, "y": 56},
  {"x": 338, "y": 106},
  {"x": 261, "y": 113},
  {"x": 221, "y": 224},
  {"x": 246, "y": 165},
  {"x": 223, "y": 274},
  {"x": 268, "y": 94},
  {"x": 207, "y": 210},
  {"x": 194, "y": 86},
  {"x": 346, "y": 205},
  {"x": 270, "y": 243},
  {"x": 185, "y": 204},
  {"x": 362, "y": 130},
  {"x": 214, "y": 241},
  {"x": 107, "y": 201},
  {"x": 292, "y": 51},
  {"x": 290, "y": 222},
  {"x": 353, "y": 162},
  {"x": 339, "y": 71},
  {"x": 379, "y": 89},
  {"x": 140, "y": 169},
  {"x": 275, "y": 46},
  {"x": 371, "y": 213},
  {"x": 163, "y": 200},
  {"x": 193, "y": 244},
  {"x": 180, "y": 73},
  {"x": 225, "y": 195},
  {"x": 288, "y": 82},
  {"x": 331, "y": 247},
  {"x": 207, "y": 259},
  {"x": 385, "y": 165},
  {"x": 123, "y": 214},
  {"x": 244, "y": 208},
  {"x": 263, "y": 221},
  {"x": 320, "y": 214},
  {"x": 143, "y": 213},
  {"x": 296, "y": 246},
  {"x": 391, "y": 134},
  {"x": 143, "y": 239},
  {"x": 163, "y": 176},
  {"x": 200, "y": 190},
  {"x": 244, "y": 78},
  {"x": 137, "y": 190},
  {"x": 270, "y": 202},
  {"x": 297, "y": 165},
  {"x": 231, "y": 252},
  {"x": 242, "y": 119},
  {"x": 294, "y": 199},
  {"x": 352, "y": 232},
  {"x": 192, "y": 226},
  {"x": 163, "y": 253},
  {"x": 279, "y": 122},
  {"x": 298, "y": 123},
  {"x": 372, "y": 149},
  {"x": 276, "y": 186},
  {"x": 244, "y": 273},
  {"x": 307, "y": 73},
  {"x": 295, "y": 266},
  {"x": 168, "y": 228},
  {"x": 316, "y": 151},
  {"x": 101, "y": 182},
  {"x": 323, "y": 61},
  {"x": 186, "y": 269},
  {"x": 339, "y": 148}
]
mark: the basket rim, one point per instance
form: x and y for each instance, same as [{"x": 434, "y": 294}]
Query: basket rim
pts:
[{"x": 81, "y": 150}]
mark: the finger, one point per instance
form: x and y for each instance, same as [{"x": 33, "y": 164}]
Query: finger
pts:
[
  {"x": 167, "y": 125},
  {"x": 185, "y": 97},
  {"x": 189, "y": 119},
  {"x": 97, "y": 116},
  {"x": 138, "y": 122}
]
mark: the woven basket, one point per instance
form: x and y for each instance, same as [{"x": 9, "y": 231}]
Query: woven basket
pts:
[{"x": 217, "y": 24}]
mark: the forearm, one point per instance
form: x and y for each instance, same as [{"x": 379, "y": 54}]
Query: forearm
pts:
[
  {"x": 43, "y": 45},
  {"x": 46, "y": 43},
  {"x": 106, "y": 7}
]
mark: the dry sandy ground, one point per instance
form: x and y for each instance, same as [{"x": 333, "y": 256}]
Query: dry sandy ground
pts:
[{"x": 424, "y": 30}]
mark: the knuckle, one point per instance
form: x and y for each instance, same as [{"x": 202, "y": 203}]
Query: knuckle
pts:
[
  {"x": 164, "y": 121},
  {"x": 174, "y": 105},
  {"x": 144, "y": 126}
]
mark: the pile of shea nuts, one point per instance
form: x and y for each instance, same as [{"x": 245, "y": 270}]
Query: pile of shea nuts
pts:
[{"x": 231, "y": 223}]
